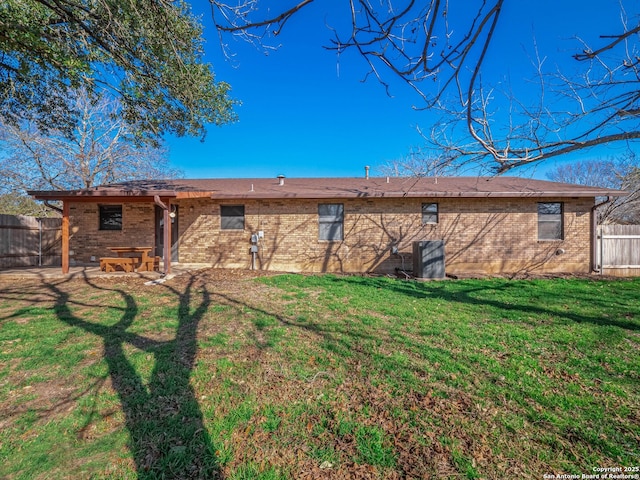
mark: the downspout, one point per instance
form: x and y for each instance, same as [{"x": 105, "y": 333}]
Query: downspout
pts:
[
  {"x": 52, "y": 207},
  {"x": 166, "y": 253},
  {"x": 65, "y": 237},
  {"x": 594, "y": 236}
]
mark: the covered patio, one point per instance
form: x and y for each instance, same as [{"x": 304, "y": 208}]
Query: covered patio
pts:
[{"x": 165, "y": 198}]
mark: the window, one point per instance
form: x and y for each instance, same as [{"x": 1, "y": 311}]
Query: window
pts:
[
  {"x": 110, "y": 217},
  {"x": 429, "y": 213},
  {"x": 550, "y": 221},
  {"x": 330, "y": 220},
  {"x": 232, "y": 217}
]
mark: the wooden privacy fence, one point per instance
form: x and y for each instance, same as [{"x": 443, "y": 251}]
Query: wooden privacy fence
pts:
[
  {"x": 28, "y": 241},
  {"x": 618, "y": 250}
]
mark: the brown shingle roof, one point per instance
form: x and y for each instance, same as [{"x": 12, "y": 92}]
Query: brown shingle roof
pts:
[{"x": 325, "y": 188}]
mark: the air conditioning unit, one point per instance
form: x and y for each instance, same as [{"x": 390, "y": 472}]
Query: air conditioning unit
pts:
[{"x": 428, "y": 259}]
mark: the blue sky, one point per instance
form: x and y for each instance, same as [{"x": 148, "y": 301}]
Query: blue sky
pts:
[{"x": 305, "y": 112}]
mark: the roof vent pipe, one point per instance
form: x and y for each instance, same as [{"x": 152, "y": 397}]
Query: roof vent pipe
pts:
[
  {"x": 366, "y": 172},
  {"x": 280, "y": 180}
]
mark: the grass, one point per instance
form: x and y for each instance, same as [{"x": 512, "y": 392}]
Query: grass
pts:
[{"x": 318, "y": 376}]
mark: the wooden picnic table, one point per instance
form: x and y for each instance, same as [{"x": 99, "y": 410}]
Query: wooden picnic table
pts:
[
  {"x": 129, "y": 262},
  {"x": 121, "y": 251}
]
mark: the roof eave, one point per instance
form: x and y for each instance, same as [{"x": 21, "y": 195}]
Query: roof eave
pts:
[
  {"x": 347, "y": 195},
  {"x": 91, "y": 195}
]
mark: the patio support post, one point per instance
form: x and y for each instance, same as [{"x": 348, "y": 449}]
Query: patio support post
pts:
[
  {"x": 65, "y": 237},
  {"x": 167, "y": 242},
  {"x": 166, "y": 249}
]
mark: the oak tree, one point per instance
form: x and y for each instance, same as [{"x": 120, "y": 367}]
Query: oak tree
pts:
[{"x": 147, "y": 52}]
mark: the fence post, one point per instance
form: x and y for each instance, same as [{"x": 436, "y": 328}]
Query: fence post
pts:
[{"x": 601, "y": 236}]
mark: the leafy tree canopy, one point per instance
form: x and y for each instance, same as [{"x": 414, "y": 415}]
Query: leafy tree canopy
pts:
[
  {"x": 15, "y": 204},
  {"x": 148, "y": 51}
]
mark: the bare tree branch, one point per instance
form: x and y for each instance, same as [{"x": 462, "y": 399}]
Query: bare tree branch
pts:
[
  {"x": 442, "y": 54},
  {"x": 100, "y": 150},
  {"x": 620, "y": 173},
  {"x": 280, "y": 19},
  {"x": 589, "y": 55}
]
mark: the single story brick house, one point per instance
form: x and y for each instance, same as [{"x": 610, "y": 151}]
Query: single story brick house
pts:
[{"x": 488, "y": 224}]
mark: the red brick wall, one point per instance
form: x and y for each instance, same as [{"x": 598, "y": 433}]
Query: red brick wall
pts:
[{"x": 481, "y": 235}]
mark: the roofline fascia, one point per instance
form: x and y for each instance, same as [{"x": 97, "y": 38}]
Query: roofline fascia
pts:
[
  {"x": 108, "y": 198},
  {"x": 148, "y": 196},
  {"x": 280, "y": 196}
]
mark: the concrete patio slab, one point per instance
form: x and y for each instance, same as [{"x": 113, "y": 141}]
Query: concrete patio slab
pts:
[{"x": 91, "y": 271}]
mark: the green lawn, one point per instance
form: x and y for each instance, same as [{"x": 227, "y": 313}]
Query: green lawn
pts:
[{"x": 318, "y": 377}]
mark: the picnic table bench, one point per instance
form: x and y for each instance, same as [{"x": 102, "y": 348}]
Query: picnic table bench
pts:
[
  {"x": 129, "y": 260},
  {"x": 111, "y": 264}
]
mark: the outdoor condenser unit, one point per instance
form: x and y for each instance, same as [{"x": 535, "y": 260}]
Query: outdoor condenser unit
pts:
[{"x": 428, "y": 259}]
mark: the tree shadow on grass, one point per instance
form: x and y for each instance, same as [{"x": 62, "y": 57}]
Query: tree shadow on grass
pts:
[
  {"x": 484, "y": 295},
  {"x": 167, "y": 436}
]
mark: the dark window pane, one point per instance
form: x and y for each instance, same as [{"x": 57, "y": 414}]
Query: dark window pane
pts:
[
  {"x": 232, "y": 223},
  {"x": 550, "y": 221},
  {"x": 550, "y": 230},
  {"x": 429, "y": 208},
  {"x": 429, "y": 213},
  {"x": 110, "y": 217},
  {"x": 232, "y": 210},
  {"x": 554, "y": 208},
  {"x": 331, "y": 211},
  {"x": 330, "y": 221},
  {"x": 232, "y": 217},
  {"x": 330, "y": 231}
]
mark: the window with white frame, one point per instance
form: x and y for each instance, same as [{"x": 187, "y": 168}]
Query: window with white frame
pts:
[{"x": 330, "y": 221}]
